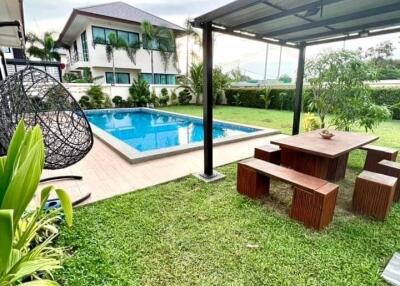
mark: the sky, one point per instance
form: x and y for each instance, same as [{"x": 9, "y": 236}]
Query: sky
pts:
[{"x": 229, "y": 52}]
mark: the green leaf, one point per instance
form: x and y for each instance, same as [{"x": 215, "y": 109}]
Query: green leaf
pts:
[
  {"x": 24, "y": 183},
  {"x": 12, "y": 155},
  {"x": 66, "y": 205},
  {"x": 6, "y": 237},
  {"x": 41, "y": 283}
]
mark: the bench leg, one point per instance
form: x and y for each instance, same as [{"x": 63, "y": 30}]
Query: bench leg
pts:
[
  {"x": 250, "y": 183},
  {"x": 314, "y": 210},
  {"x": 373, "y": 159}
]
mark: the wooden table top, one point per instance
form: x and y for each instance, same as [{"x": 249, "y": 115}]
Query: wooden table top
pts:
[{"x": 313, "y": 143}]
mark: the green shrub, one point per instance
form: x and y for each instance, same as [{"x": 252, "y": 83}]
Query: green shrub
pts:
[
  {"x": 164, "y": 98},
  {"x": 184, "y": 97},
  {"x": 85, "y": 102},
  {"x": 139, "y": 93},
  {"x": 389, "y": 97},
  {"x": 283, "y": 99},
  {"x": 97, "y": 98},
  {"x": 26, "y": 253},
  {"x": 118, "y": 101}
]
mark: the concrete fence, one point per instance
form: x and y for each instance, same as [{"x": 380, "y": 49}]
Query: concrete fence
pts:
[{"x": 79, "y": 89}]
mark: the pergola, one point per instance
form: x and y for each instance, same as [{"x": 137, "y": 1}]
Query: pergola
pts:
[{"x": 290, "y": 23}]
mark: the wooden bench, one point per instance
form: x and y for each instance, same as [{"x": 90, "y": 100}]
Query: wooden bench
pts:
[
  {"x": 269, "y": 153},
  {"x": 392, "y": 169},
  {"x": 375, "y": 154},
  {"x": 373, "y": 194},
  {"x": 313, "y": 201}
]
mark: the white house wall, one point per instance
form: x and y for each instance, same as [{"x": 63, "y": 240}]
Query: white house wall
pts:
[{"x": 97, "y": 55}]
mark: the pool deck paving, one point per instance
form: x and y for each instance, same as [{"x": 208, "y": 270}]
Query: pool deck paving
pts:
[{"x": 106, "y": 174}]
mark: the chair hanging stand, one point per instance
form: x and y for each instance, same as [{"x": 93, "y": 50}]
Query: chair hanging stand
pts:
[{"x": 38, "y": 98}]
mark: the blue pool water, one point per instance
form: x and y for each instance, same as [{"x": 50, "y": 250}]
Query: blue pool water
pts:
[{"x": 147, "y": 130}]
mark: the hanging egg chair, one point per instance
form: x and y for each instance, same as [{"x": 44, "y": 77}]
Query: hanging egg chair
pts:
[{"x": 38, "y": 98}]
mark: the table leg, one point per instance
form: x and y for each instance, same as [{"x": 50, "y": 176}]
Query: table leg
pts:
[{"x": 331, "y": 169}]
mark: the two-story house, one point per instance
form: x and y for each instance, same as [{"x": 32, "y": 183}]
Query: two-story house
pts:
[{"x": 96, "y": 22}]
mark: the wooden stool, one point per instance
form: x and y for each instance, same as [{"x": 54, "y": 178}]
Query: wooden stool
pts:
[
  {"x": 375, "y": 154},
  {"x": 373, "y": 194},
  {"x": 392, "y": 169},
  {"x": 269, "y": 153}
]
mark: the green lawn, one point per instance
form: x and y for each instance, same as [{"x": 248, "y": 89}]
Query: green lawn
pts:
[{"x": 187, "y": 232}]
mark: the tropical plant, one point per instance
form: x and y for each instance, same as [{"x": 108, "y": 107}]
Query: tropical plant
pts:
[
  {"x": 97, "y": 98},
  {"x": 236, "y": 100},
  {"x": 161, "y": 39},
  {"x": 115, "y": 43},
  {"x": 194, "y": 83},
  {"x": 164, "y": 98},
  {"x": 184, "y": 97},
  {"x": 191, "y": 34},
  {"x": 266, "y": 96},
  {"x": 310, "y": 122},
  {"x": 139, "y": 93},
  {"x": 25, "y": 251},
  {"x": 337, "y": 83},
  {"x": 42, "y": 48}
]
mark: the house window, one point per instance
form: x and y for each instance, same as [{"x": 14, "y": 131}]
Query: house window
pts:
[
  {"x": 100, "y": 35},
  {"x": 121, "y": 78},
  {"x": 159, "y": 78},
  {"x": 158, "y": 43},
  {"x": 84, "y": 47}
]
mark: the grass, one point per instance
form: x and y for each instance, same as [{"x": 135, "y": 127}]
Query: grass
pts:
[{"x": 187, "y": 232}]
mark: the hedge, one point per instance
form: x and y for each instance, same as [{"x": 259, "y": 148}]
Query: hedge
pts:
[{"x": 283, "y": 99}]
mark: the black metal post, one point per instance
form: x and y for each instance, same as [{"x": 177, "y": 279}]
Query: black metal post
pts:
[
  {"x": 299, "y": 90},
  {"x": 208, "y": 99}
]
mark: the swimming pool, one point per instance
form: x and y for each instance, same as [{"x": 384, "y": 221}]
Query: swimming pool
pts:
[{"x": 138, "y": 132}]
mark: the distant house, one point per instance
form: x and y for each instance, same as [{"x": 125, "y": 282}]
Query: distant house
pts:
[{"x": 97, "y": 22}]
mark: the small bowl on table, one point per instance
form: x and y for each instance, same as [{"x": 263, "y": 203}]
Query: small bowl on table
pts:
[{"x": 326, "y": 134}]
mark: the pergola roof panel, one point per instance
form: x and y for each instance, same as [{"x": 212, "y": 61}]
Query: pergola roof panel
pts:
[{"x": 303, "y": 21}]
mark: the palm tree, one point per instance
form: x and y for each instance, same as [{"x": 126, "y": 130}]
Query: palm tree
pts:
[
  {"x": 194, "y": 82},
  {"x": 46, "y": 50},
  {"x": 115, "y": 43},
  {"x": 190, "y": 33},
  {"x": 161, "y": 39}
]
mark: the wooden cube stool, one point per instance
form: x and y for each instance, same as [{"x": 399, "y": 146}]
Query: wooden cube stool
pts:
[
  {"x": 392, "y": 169},
  {"x": 270, "y": 153},
  {"x": 373, "y": 194},
  {"x": 375, "y": 154}
]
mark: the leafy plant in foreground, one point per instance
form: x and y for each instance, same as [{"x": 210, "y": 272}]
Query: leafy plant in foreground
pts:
[{"x": 25, "y": 251}]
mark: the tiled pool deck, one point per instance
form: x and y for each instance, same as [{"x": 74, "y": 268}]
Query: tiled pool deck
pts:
[{"x": 106, "y": 174}]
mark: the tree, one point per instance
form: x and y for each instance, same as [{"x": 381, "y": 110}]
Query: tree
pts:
[
  {"x": 221, "y": 81},
  {"x": 285, "y": 78},
  {"x": 380, "y": 58},
  {"x": 191, "y": 33},
  {"x": 115, "y": 43},
  {"x": 337, "y": 83},
  {"x": 42, "y": 48},
  {"x": 161, "y": 39},
  {"x": 194, "y": 82},
  {"x": 237, "y": 75}
]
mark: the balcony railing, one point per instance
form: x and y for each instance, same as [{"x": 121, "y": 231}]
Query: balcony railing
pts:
[{"x": 77, "y": 57}]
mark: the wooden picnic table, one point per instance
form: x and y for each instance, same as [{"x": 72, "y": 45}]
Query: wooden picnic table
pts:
[{"x": 327, "y": 159}]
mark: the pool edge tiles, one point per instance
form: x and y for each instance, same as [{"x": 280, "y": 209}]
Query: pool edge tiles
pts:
[{"x": 133, "y": 155}]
